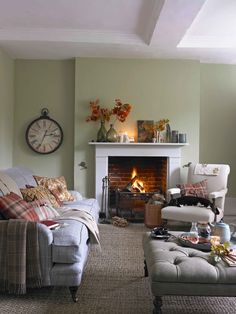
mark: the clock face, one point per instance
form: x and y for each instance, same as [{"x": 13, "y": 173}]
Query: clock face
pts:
[{"x": 44, "y": 135}]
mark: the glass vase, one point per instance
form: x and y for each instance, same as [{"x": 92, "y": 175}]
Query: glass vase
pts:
[
  {"x": 102, "y": 133},
  {"x": 194, "y": 229},
  {"x": 112, "y": 135}
]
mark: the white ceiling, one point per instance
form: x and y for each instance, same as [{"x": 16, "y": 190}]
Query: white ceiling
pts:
[{"x": 202, "y": 30}]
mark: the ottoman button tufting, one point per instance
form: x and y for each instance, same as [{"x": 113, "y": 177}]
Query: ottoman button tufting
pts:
[{"x": 176, "y": 261}]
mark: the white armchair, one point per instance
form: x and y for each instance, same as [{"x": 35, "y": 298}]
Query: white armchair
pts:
[{"x": 217, "y": 189}]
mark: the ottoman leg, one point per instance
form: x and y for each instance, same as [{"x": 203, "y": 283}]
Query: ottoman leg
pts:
[
  {"x": 157, "y": 305},
  {"x": 145, "y": 269}
]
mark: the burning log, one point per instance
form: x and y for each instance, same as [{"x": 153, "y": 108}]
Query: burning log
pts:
[
  {"x": 129, "y": 186},
  {"x": 140, "y": 187}
]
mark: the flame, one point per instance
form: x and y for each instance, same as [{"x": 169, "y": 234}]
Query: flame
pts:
[
  {"x": 137, "y": 183},
  {"x": 134, "y": 173}
]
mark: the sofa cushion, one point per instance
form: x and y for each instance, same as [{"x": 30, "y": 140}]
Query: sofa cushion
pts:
[
  {"x": 13, "y": 206},
  {"x": 57, "y": 186},
  {"x": 69, "y": 242},
  {"x": 45, "y": 211},
  {"x": 39, "y": 193},
  {"x": 194, "y": 189},
  {"x": 7, "y": 184},
  {"x": 21, "y": 176}
]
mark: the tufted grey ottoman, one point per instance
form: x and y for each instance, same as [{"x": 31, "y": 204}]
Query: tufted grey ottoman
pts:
[{"x": 177, "y": 270}]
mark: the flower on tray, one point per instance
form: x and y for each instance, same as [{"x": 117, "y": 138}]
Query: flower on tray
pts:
[
  {"x": 219, "y": 251},
  {"x": 120, "y": 111}
]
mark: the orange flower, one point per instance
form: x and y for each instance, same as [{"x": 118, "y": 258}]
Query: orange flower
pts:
[
  {"x": 98, "y": 113},
  {"x": 120, "y": 111}
]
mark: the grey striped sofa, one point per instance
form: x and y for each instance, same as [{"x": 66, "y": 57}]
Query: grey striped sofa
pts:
[{"x": 63, "y": 252}]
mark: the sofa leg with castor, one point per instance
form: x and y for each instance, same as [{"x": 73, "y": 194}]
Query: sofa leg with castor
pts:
[
  {"x": 157, "y": 305},
  {"x": 73, "y": 291}
]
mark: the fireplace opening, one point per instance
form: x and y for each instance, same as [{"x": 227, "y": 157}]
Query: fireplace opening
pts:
[{"x": 133, "y": 181}]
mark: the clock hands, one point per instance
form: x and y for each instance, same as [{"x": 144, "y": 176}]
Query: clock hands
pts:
[{"x": 47, "y": 134}]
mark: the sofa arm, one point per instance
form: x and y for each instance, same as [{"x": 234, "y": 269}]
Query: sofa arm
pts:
[
  {"x": 217, "y": 194},
  {"x": 77, "y": 196}
]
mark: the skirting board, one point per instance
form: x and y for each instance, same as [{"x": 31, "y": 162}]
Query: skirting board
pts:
[{"x": 230, "y": 206}]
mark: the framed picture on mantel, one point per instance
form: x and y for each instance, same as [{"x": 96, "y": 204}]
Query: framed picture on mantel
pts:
[{"x": 145, "y": 131}]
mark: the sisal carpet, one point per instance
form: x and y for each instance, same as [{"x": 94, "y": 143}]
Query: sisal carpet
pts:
[{"x": 113, "y": 282}]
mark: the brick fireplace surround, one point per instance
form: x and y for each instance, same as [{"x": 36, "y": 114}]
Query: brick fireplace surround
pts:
[{"x": 172, "y": 152}]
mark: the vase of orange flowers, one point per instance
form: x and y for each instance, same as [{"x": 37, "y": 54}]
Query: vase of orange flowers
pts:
[
  {"x": 112, "y": 135},
  {"x": 99, "y": 114},
  {"x": 120, "y": 111},
  {"x": 102, "y": 133}
]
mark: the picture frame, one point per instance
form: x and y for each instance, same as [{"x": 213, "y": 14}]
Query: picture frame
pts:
[{"x": 145, "y": 131}]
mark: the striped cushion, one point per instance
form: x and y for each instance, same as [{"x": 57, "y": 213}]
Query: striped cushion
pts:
[
  {"x": 45, "y": 212},
  {"x": 13, "y": 206}
]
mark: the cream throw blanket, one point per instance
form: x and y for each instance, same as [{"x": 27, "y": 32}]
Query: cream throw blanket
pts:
[{"x": 83, "y": 216}]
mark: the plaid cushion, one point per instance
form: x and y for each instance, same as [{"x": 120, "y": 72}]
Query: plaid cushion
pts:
[
  {"x": 13, "y": 206},
  {"x": 57, "y": 186},
  {"x": 198, "y": 189}
]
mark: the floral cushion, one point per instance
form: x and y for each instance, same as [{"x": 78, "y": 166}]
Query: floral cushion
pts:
[
  {"x": 57, "y": 186},
  {"x": 13, "y": 206},
  {"x": 40, "y": 193},
  {"x": 198, "y": 189}
]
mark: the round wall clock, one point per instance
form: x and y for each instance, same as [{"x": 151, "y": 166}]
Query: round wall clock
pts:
[{"x": 44, "y": 135}]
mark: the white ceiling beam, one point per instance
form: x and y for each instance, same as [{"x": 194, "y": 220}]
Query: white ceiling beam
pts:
[
  {"x": 69, "y": 35},
  {"x": 152, "y": 23}
]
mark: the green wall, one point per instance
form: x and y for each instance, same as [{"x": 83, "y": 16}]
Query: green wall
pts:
[
  {"x": 6, "y": 109},
  {"x": 42, "y": 84},
  {"x": 156, "y": 88},
  {"x": 218, "y": 116},
  {"x": 195, "y": 97}
]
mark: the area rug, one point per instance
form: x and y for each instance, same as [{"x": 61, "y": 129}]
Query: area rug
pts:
[{"x": 113, "y": 282}]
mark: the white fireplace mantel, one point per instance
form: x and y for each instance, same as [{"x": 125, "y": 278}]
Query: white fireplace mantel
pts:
[{"x": 104, "y": 150}]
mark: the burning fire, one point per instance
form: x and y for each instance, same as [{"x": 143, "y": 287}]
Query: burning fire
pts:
[{"x": 137, "y": 184}]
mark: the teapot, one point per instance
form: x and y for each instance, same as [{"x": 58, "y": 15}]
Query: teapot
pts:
[{"x": 222, "y": 230}]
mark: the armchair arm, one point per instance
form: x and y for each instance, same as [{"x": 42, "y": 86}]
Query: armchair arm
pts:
[
  {"x": 217, "y": 194},
  {"x": 173, "y": 191}
]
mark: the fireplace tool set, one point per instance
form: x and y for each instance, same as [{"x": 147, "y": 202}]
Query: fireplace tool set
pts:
[{"x": 104, "y": 214}]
